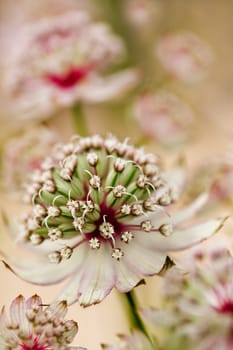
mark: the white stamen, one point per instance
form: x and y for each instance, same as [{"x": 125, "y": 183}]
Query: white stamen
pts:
[
  {"x": 127, "y": 236},
  {"x": 117, "y": 253},
  {"x": 94, "y": 243}
]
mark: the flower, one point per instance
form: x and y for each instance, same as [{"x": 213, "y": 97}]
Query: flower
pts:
[
  {"x": 163, "y": 117},
  {"x": 99, "y": 216},
  {"x": 33, "y": 326},
  {"x": 199, "y": 307},
  {"x": 142, "y": 13},
  {"x": 59, "y": 59},
  {"x": 24, "y": 154},
  {"x": 215, "y": 176},
  {"x": 184, "y": 55},
  {"x": 135, "y": 341}
]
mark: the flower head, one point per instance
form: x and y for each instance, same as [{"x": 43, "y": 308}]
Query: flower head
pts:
[
  {"x": 184, "y": 55},
  {"x": 163, "y": 117},
  {"x": 199, "y": 306},
  {"x": 134, "y": 341},
  {"x": 99, "y": 215},
  {"x": 33, "y": 326},
  {"x": 59, "y": 59}
]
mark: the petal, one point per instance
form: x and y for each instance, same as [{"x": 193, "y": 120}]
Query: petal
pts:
[
  {"x": 127, "y": 279},
  {"x": 18, "y": 314},
  {"x": 142, "y": 259},
  {"x": 58, "y": 309},
  {"x": 94, "y": 280},
  {"x": 99, "y": 89},
  {"x": 42, "y": 271},
  {"x": 4, "y": 322},
  {"x": 180, "y": 239}
]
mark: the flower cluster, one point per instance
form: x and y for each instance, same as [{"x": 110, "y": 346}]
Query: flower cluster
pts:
[
  {"x": 99, "y": 214},
  {"x": 32, "y": 326},
  {"x": 199, "y": 306}
]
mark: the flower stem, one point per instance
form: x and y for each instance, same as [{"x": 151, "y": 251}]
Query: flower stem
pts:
[
  {"x": 79, "y": 119},
  {"x": 134, "y": 317}
]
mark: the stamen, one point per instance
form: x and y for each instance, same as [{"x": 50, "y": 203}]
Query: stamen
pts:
[{"x": 117, "y": 254}]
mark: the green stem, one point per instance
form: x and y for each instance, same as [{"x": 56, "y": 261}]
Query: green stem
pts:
[
  {"x": 79, "y": 119},
  {"x": 134, "y": 317}
]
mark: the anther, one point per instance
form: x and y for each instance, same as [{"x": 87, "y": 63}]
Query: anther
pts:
[
  {"x": 127, "y": 236},
  {"x": 117, "y": 253},
  {"x": 166, "y": 229},
  {"x": 146, "y": 225},
  {"x": 94, "y": 243}
]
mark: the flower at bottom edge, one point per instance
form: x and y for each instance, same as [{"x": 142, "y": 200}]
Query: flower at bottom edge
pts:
[{"x": 33, "y": 326}]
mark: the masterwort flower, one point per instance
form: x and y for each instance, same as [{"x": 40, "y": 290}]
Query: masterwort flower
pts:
[
  {"x": 199, "y": 306},
  {"x": 184, "y": 55},
  {"x": 163, "y": 117},
  {"x": 99, "y": 215},
  {"x": 215, "y": 176},
  {"x": 134, "y": 341},
  {"x": 59, "y": 61},
  {"x": 33, "y": 326}
]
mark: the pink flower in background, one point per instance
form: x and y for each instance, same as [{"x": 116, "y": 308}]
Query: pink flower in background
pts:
[
  {"x": 134, "y": 341},
  {"x": 58, "y": 58},
  {"x": 184, "y": 55},
  {"x": 214, "y": 176},
  {"x": 198, "y": 308},
  {"x": 163, "y": 117},
  {"x": 32, "y": 326},
  {"x": 142, "y": 13},
  {"x": 100, "y": 216},
  {"x": 24, "y": 154}
]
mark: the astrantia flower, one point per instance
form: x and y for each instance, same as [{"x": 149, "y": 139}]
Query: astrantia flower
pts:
[
  {"x": 199, "y": 306},
  {"x": 24, "y": 154},
  {"x": 99, "y": 217},
  {"x": 59, "y": 59},
  {"x": 32, "y": 326},
  {"x": 163, "y": 117},
  {"x": 215, "y": 176},
  {"x": 134, "y": 341},
  {"x": 184, "y": 55}
]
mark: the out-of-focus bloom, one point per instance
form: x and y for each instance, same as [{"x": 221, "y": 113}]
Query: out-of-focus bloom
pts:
[
  {"x": 199, "y": 306},
  {"x": 134, "y": 341},
  {"x": 59, "y": 59},
  {"x": 33, "y": 326},
  {"x": 24, "y": 154},
  {"x": 215, "y": 176},
  {"x": 99, "y": 216},
  {"x": 163, "y": 117},
  {"x": 184, "y": 55},
  {"x": 142, "y": 13}
]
